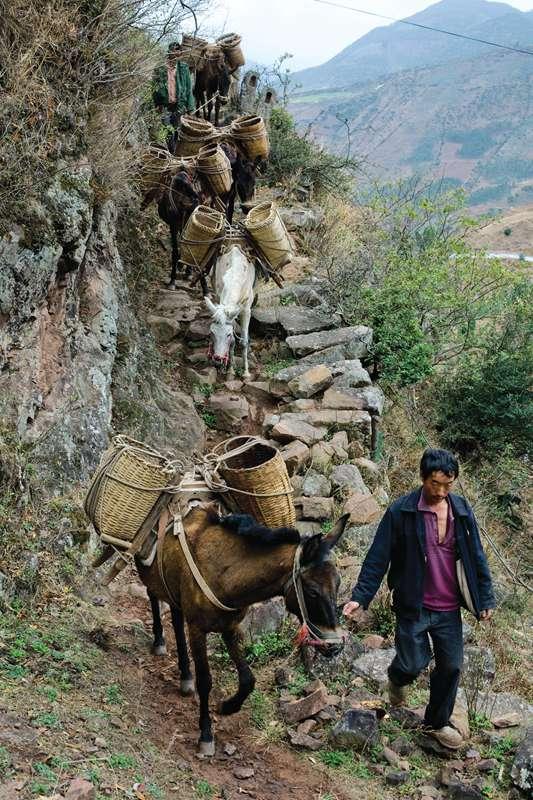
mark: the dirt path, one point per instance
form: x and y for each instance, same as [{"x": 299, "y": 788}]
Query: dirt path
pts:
[{"x": 171, "y": 722}]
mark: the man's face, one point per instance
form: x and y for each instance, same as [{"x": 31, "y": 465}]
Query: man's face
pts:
[
  {"x": 437, "y": 486},
  {"x": 173, "y": 56}
]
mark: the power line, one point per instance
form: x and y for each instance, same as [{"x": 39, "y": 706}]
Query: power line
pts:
[{"x": 425, "y": 27}]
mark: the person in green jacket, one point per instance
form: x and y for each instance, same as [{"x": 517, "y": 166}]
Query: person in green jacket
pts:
[{"x": 172, "y": 87}]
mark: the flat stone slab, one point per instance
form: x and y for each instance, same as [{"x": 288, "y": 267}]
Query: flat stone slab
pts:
[
  {"x": 359, "y": 336},
  {"x": 374, "y": 665}
]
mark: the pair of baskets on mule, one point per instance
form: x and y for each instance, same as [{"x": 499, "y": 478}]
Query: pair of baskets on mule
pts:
[
  {"x": 134, "y": 483},
  {"x": 205, "y": 230},
  {"x": 248, "y": 133}
]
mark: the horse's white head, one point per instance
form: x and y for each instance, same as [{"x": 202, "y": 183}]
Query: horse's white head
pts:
[{"x": 221, "y": 332}]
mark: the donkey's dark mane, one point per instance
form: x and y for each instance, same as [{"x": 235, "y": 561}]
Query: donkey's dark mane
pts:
[{"x": 246, "y": 525}]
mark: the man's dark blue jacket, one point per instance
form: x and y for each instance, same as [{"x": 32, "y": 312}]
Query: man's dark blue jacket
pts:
[{"x": 400, "y": 546}]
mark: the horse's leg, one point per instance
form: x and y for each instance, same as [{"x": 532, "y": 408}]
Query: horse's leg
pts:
[
  {"x": 208, "y": 109},
  {"x": 217, "y": 111},
  {"x": 186, "y": 680},
  {"x": 245, "y": 325},
  {"x": 159, "y": 647},
  {"x": 175, "y": 253},
  {"x": 230, "y": 204},
  {"x": 197, "y": 639},
  {"x": 234, "y": 642}
]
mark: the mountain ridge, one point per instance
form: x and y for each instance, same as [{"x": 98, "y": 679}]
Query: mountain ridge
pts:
[{"x": 393, "y": 48}]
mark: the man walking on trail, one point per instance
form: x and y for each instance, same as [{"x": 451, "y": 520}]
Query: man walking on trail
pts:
[
  {"x": 172, "y": 87},
  {"x": 429, "y": 542}
]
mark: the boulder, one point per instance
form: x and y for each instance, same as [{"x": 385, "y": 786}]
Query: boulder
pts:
[
  {"x": 369, "y": 470},
  {"x": 286, "y": 430},
  {"x": 198, "y": 329},
  {"x": 359, "y": 337},
  {"x": 374, "y": 665},
  {"x": 164, "y": 329},
  {"x": 299, "y": 405},
  {"x": 346, "y": 479},
  {"x": 80, "y": 789},
  {"x": 344, "y": 399},
  {"x": 310, "y": 382},
  {"x": 479, "y": 665},
  {"x": 302, "y": 217},
  {"x": 258, "y": 390},
  {"x": 322, "y": 455},
  {"x": 296, "y": 455},
  {"x": 262, "y": 618},
  {"x": 373, "y": 642},
  {"x": 316, "y": 485},
  {"x": 300, "y": 739},
  {"x": 295, "y": 320},
  {"x": 229, "y": 411},
  {"x": 358, "y": 730},
  {"x": 317, "y": 508},
  {"x": 350, "y": 374},
  {"x": 363, "y": 509},
  {"x": 522, "y": 769},
  {"x": 306, "y": 527},
  {"x": 305, "y": 707},
  {"x": 496, "y": 704}
]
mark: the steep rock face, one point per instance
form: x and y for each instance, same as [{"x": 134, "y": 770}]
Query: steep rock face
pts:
[{"x": 63, "y": 307}]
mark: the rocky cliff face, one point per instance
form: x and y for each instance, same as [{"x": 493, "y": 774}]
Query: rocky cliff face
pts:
[{"x": 64, "y": 305}]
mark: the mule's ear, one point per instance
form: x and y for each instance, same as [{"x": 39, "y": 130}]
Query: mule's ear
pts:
[
  {"x": 337, "y": 531},
  {"x": 211, "y": 307},
  {"x": 311, "y": 548}
]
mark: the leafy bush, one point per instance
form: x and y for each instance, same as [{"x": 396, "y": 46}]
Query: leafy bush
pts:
[
  {"x": 297, "y": 159},
  {"x": 405, "y": 270},
  {"x": 485, "y": 403}
]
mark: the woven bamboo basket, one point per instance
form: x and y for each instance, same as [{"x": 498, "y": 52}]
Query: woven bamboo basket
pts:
[
  {"x": 266, "y": 228},
  {"x": 215, "y": 165},
  {"x": 192, "y": 48},
  {"x": 231, "y": 45},
  {"x": 125, "y": 487},
  {"x": 203, "y": 230},
  {"x": 250, "y": 134},
  {"x": 194, "y": 133},
  {"x": 260, "y": 480}
]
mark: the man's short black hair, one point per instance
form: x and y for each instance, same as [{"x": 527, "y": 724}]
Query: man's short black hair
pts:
[
  {"x": 435, "y": 460},
  {"x": 173, "y": 46}
]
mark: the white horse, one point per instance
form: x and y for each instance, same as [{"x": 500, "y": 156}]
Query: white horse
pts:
[{"x": 234, "y": 287}]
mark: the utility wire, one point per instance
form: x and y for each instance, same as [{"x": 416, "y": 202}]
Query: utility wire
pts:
[{"x": 425, "y": 27}]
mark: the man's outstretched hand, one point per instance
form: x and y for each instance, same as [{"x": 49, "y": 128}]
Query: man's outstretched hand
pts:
[
  {"x": 484, "y": 616},
  {"x": 351, "y": 610}
]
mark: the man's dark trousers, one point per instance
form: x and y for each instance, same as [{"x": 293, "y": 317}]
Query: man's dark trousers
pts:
[{"x": 413, "y": 654}]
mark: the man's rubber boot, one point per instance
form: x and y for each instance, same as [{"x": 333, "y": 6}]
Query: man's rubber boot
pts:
[
  {"x": 446, "y": 736},
  {"x": 397, "y": 695}
]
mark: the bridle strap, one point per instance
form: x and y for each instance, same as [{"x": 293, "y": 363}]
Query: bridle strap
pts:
[{"x": 296, "y": 581}]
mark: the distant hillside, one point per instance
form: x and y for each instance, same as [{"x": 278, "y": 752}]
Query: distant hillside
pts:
[
  {"x": 397, "y": 47},
  {"x": 469, "y": 119}
]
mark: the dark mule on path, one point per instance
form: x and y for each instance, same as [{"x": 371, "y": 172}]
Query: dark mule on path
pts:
[
  {"x": 244, "y": 175},
  {"x": 211, "y": 86},
  {"x": 242, "y": 563}
]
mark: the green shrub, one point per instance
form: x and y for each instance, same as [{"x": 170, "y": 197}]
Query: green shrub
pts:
[
  {"x": 485, "y": 403},
  {"x": 297, "y": 159}
]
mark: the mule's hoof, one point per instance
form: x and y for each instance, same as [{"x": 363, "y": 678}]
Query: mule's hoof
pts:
[
  {"x": 159, "y": 650},
  {"x": 228, "y": 707},
  {"x": 246, "y": 376},
  {"x": 171, "y": 285},
  {"x": 187, "y": 687},
  {"x": 206, "y": 748}
]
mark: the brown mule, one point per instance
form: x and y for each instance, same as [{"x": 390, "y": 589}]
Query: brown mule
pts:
[{"x": 242, "y": 563}]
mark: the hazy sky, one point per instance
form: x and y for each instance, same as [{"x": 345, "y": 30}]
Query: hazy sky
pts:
[{"x": 310, "y": 31}]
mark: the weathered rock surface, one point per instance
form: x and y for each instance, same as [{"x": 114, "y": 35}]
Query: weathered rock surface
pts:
[
  {"x": 296, "y": 455},
  {"x": 264, "y": 618},
  {"x": 229, "y": 410},
  {"x": 310, "y": 382},
  {"x": 358, "y": 729},
  {"x": 297, "y": 217},
  {"x": 316, "y": 485},
  {"x": 522, "y": 769},
  {"x": 358, "y": 337},
  {"x": 362, "y": 508},
  {"x": 347, "y": 479},
  {"x": 374, "y": 665},
  {"x": 286, "y": 430},
  {"x": 317, "y": 508},
  {"x": 306, "y": 706}
]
